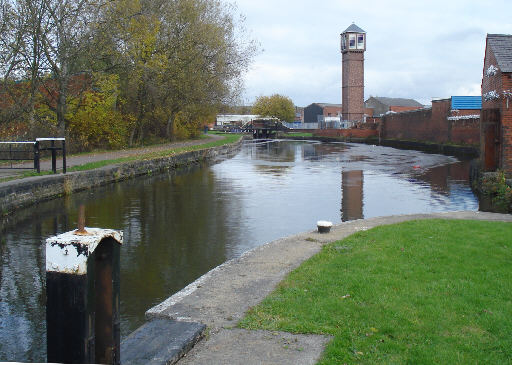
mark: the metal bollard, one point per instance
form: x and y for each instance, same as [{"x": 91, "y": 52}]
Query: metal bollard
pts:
[
  {"x": 37, "y": 165},
  {"x": 54, "y": 157},
  {"x": 82, "y": 296}
]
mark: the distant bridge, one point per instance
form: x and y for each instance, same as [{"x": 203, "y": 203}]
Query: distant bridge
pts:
[
  {"x": 260, "y": 128},
  {"x": 267, "y": 128}
]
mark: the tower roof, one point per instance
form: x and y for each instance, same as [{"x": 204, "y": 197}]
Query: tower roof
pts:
[{"x": 354, "y": 29}]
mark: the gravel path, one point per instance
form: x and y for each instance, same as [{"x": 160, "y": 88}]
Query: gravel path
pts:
[{"x": 81, "y": 159}]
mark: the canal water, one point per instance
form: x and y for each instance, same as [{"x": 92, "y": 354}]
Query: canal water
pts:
[{"x": 177, "y": 226}]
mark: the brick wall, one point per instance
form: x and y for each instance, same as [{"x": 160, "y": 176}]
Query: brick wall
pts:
[
  {"x": 332, "y": 110},
  {"x": 460, "y": 112},
  {"x": 374, "y": 120},
  {"x": 506, "y": 125},
  {"x": 499, "y": 82},
  {"x": 414, "y": 125},
  {"x": 399, "y": 109},
  {"x": 431, "y": 125},
  {"x": 465, "y": 131},
  {"x": 352, "y": 86},
  {"x": 354, "y": 133}
]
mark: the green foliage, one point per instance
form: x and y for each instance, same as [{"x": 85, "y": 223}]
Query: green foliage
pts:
[
  {"x": 428, "y": 291},
  {"x": 93, "y": 120},
  {"x": 13, "y": 131},
  {"x": 276, "y": 106},
  {"x": 495, "y": 185},
  {"x": 156, "y": 69}
]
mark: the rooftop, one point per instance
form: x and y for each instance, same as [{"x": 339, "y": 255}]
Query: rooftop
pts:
[
  {"x": 501, "y": 45},
  {"x": 396, "y": 101},
  {"x": 323, "y": 105},
  {"x": 467, "y": 102},
  {"x": 354, "y": 29}
]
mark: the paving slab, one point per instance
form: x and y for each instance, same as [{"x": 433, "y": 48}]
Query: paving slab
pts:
[
  {"x": 238, "y": 346},
  {"x": 160, "y": 342}
]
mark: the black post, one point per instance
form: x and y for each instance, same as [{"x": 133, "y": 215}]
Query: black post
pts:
[
  {"x": 64, "y": 156},
  {"x": 54, "y": 157},
  {"x": 36, "y": 157},
  {"x": 82, "y": 289}
]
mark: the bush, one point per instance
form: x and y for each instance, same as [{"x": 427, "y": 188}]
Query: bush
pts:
[
  {"x": 94, "y": 121},
  {"x": 495, "y": 186}
]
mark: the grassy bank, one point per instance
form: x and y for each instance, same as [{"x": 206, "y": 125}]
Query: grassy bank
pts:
[
  {"x": 298, "y": 134},
  {"x": 430, "y": 291},
  {"x": 229, "y": 138},
  {"x": 151, "y": 155}
]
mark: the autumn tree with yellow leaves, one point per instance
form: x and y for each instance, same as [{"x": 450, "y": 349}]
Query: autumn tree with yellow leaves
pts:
[{"x": 147, "y": 69}]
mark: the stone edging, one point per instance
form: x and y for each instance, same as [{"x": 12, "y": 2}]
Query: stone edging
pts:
[
  {"x": 16, "y": 194},
  {"x": 222, "y": 296},
  {"x": 310, "y": 238}
]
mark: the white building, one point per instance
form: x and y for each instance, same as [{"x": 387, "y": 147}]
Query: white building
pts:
[{"x": 228, "y": 119}]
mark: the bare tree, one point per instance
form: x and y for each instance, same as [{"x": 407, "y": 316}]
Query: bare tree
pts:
[{"x": 62, "y": 42}]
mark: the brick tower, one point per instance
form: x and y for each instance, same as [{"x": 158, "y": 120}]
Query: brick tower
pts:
[{"x": 353, "y": 45}]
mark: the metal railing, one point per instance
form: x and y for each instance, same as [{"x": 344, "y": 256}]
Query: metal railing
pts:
[{"x": 11, "y": 152}]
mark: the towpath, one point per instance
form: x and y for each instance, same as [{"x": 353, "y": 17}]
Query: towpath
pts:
[
  {"x": 220, "y": 298},
  {"x": 80, "y": 159}
]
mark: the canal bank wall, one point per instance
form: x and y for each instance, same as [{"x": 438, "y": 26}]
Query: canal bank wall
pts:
[
  {"x": 465, "y": 152},
  {"x": 17, "y": 194}
]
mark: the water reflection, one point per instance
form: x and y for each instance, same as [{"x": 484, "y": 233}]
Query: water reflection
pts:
[
  {"x": 180, "y": 225},
  {"x": 352, "y": 192}
]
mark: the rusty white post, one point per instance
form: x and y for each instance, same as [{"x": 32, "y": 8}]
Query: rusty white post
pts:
[{"x": 82, "y": 296}]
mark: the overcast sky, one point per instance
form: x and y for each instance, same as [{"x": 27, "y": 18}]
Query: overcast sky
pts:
[{"x": 415, "y": 49}]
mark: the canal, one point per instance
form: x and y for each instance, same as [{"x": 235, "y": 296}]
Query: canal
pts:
[{"x": 179, "y": 225}]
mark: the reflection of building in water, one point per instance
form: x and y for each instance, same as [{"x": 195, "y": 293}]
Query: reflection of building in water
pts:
[
  {"x": 320, "y": 151},
  {"x": 308, "y": 151},
  {"x": 352, "y": 195}
]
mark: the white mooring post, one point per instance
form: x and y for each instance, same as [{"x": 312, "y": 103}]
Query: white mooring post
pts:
[{"x": 82, "y": 296}]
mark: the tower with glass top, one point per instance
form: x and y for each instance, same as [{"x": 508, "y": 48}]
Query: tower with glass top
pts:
[{"x": 353, "y": 46}]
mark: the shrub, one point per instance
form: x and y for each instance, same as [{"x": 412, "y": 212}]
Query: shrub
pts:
[
  {"x": 94, "y": 120},
  {"x": 495, "y": 185}
]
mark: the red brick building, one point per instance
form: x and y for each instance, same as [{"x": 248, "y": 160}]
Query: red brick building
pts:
[
  {"x": 353, "y": 45},
  {"x": 496, "y": 114}
]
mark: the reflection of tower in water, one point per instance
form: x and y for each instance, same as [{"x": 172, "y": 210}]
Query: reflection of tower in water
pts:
[{"x": 352, "y": 195}]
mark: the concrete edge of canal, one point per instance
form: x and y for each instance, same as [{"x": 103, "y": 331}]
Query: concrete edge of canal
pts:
[
  {"x": 21, "y": 193},
  {"x": 216, "y": 301}
]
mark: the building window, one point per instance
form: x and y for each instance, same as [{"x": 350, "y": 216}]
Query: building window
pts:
[
  {"x": 352, "y": 41},
  {"x": 360, "y": 41},
  {"x": 343, "y": 42}
]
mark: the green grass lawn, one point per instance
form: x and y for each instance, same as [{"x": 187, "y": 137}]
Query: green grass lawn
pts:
[
  {"x": 420, "y": 292},
  {"x": 232, "y": 138},
  {"x": 298, "y": 134}
]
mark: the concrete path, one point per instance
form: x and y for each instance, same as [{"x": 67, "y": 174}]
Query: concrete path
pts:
[
  {"x": 74, "y": 160},
  {"x": 220, "y": 298}
]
